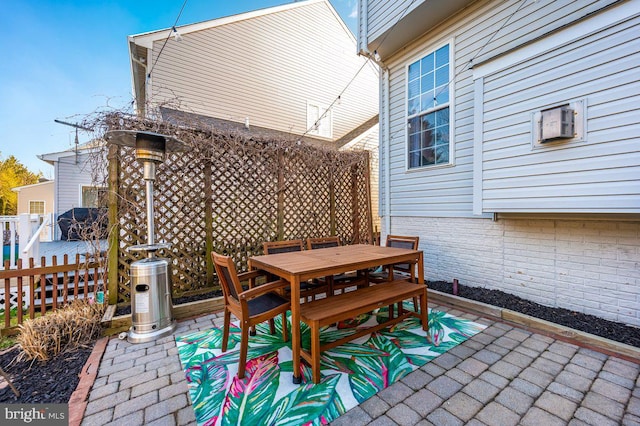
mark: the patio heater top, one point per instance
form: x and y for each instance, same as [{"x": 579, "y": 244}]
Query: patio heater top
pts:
[{"x": 150, "y": 149}]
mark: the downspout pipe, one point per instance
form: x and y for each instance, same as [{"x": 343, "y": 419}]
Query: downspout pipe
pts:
[{"x": 385, "y": 137}]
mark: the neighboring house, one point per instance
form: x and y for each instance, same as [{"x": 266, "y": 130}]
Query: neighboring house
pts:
[
  {"x": 510, "y": 143},
  {"x": 75, "y": 176},
  {"x": 37, "y": 198},
  {"x": 289, "y": 70}
]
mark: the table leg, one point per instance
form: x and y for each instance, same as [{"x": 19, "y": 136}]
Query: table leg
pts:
[{"x": 295, "y": 328}]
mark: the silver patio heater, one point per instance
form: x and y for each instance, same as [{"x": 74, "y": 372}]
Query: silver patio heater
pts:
[{"x": 151, "y": 305}]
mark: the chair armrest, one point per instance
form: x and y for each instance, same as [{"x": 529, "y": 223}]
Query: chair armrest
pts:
[
  {"x": 262, "y": 289},
  {"x": 246, "y": 276},
  {"x": 251, "y": 276}
]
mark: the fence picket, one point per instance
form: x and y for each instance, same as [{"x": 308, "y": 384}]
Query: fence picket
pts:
[
  {"x": 48, "y": 278},
  {"x": 32, "y": 291}
]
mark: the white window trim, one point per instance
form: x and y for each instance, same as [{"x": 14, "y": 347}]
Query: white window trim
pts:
[
  {"x": 417, "y": 57},
  {"x": 329, "y": 115}
]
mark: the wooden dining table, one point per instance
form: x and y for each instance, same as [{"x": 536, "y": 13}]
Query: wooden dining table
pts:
[{"x": 297, "y": 267}]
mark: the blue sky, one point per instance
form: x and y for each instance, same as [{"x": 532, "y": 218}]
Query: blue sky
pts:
[{"x": 66, "y": 59}]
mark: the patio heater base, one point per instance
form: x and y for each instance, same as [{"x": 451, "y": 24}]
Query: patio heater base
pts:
[{"x": 134, "y": 337}]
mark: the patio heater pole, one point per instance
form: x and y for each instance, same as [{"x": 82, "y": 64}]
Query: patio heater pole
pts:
[{"x": 151, "y": 302}]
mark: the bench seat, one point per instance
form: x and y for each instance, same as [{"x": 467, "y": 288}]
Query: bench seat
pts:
[{"x": 323, "y": 312}]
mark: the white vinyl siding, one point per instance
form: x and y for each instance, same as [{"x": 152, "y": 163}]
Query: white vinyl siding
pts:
[
  {"x": 448, "y": 192},
  {"x": 600, "y": 174},
  {"x": 384, "y": 13},
  {"x": 266, "y": 68},
  {"x": 69, "y": 179}
]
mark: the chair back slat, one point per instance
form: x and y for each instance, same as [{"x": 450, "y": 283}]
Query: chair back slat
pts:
[
  {"x": 287, "y": 246},
  {"x": 323, "y": 242},
  {"x": 228, "y": 276}
]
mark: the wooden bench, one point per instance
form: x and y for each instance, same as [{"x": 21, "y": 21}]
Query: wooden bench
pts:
[{"x": 323, "y": 312}]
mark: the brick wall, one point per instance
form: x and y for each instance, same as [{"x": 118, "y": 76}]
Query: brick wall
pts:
[{"x": 583, "y": 265}]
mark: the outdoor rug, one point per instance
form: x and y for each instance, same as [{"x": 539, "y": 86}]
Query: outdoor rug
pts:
[{"x": 351, "y": 373}]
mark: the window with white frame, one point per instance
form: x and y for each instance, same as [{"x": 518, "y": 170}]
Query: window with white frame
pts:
[
  {"x": 93, "y": 196},
  {"x": 428, "y": 112},
  {"x": 319, "y": 120},
  {"x": 36, "y": 207}
]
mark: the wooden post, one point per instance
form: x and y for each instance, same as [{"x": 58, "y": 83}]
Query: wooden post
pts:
[
  {"x": 114, "y": 226},
  {"x": 332, "y": 205},
  {"x": 208, "y": 220},
  {"x": 7, "y": 299},
  {"x": 355, "y": 211},
  {"x": 280, "y": 190},
  {"x": 367, "y": 178}
]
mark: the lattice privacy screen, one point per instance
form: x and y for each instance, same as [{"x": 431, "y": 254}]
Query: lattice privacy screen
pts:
[{"x": 230, "y": 193}]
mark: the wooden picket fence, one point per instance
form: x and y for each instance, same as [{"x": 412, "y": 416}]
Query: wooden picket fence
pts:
[{"x": 45, "y": 288}]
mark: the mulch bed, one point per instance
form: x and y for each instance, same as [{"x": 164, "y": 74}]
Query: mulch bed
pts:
[
  {"x": 576, "y": 320},
  {"x": 52, "y": 381}
]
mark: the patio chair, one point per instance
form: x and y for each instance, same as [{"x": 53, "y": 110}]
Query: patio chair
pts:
[
  {"x": 398, "y": 270},
  {"x": 338, "y": 281},
  {"x": 308, "y": 289},
  {"x": 251, "y": 307}
]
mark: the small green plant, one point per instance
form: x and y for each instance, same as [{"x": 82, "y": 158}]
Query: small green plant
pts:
[
  {"x": 13, "y": 316},
  {"x": 73, "y": 326},
  {"x": 7, "y": 342}
]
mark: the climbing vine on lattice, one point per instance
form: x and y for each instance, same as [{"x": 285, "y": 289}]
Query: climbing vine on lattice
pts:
[{"x": 230, "y": 192}]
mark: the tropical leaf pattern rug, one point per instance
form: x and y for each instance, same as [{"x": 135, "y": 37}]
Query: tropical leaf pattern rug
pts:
[{"x": 351, "y": 373}]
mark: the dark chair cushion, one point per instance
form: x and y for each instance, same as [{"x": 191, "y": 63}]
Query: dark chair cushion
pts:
[{"x": 265, "y": 303}]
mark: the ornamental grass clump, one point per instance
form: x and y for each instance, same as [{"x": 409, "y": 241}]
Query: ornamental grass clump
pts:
[{"x": 74, "y": 326}]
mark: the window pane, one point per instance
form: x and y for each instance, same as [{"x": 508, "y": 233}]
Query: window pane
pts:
[
  {"x": 414, "y": 125},
  {"x": 427, "y": 139},
  {"x": 427, "y": 101},
  {"x": 414, "y": 106},
  {"x": 428, "y": 157},
  {"x": 428, "y": 63},
  {"x": 442, "y": 76},
  {"x": 414, "y": 142},
  {"x": 442, "y": 154},
  {"x": 442, "y": 96},
  {"x": 414, "y": 88},
  {"x": 414, "y": 159},
  {"x": 414, "y": 70},
  {"x": 443, "y": 135},
  {"x": 442, "y": 117},
  {"x": 442, "y": 56},
  {"x": 428, "y": 121},
  {"x": 426, "y": 83},
  {"x": 93, "y": 196}
]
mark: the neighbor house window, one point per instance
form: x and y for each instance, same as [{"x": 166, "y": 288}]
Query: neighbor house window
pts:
[
  {"x": 93, "y": 196},
  {"x": 36, "y": 207},
  {"x": 428, "y": 110},
  {"x": 319, "y": 120}
]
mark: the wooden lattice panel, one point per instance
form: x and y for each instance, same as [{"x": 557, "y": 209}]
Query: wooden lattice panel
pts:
[{"x": 248, "y": 190}]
